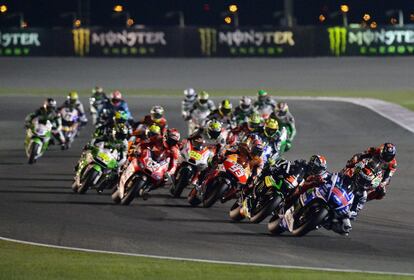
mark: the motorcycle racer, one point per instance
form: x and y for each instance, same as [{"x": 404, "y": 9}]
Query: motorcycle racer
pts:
[
  {"x": 97, "y": 101},
  {"x": 116, "y": 103},
  {"x": 253, "y": 126},
  {"x": 224, "y": 115},
  {"x": 197, "y": 116},
  {"x": 49, "y": 112},
  {"x": 244, "y": 110},
  {"x": 270, "y": 135},
  {"x": 190, "y": 97},
  {"x": 286, "y": 120},
  {"x": 72, "y": 101},
  {"x": 203, "y": 103},
  {"x": 156, "y": 116},
  {"x": 264, "y": 102},
  {"x": 385, "y": 154}
]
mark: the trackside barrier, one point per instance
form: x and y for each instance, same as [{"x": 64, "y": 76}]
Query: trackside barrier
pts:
[{"x": 208, "y": 42}]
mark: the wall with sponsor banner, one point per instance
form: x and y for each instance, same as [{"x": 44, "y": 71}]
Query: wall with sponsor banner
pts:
[{"x": 207, "y": 42}]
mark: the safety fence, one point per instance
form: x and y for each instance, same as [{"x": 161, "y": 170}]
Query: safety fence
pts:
[{"x": 208, "y": 42}]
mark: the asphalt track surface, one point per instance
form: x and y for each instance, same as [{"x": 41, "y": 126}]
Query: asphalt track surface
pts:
[
  {"x": 301, "y": 74},
  {"x": 37, "y": 204}
]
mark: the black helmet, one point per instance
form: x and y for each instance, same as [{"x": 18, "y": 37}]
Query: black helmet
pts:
[
  {"x": 388, "y": 152},
  {"x": 49, "y": 104},
  {"x": 317, "y": 165},
  {"x": 172, "y": 137},
  {"x": 257, "y": 149}
]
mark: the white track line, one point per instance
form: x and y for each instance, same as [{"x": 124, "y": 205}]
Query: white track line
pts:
[
  {"x": 395, "y": 113},
  {"x": 203, "y": 260}
]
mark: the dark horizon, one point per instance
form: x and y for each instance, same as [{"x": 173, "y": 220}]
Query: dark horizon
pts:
[{"x": 46, "y": 13}]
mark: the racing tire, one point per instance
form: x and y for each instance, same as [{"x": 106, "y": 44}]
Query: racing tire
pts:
[
  {"x": 318, "y": 215},
  {"x": 88, "y": 180},
  {"x": 266, "y": 210},
  {"x": 212, "y": 194},
  {"x": 33, "y": 153},
  {"x": 132, "y": 192},
  {"x": 184, "y": 177}
]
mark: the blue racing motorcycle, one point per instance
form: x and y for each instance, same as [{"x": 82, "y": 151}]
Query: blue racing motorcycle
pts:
[{"x": 327, "y": 206}]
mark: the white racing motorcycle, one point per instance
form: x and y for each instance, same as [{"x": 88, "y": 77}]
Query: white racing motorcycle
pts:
[{"x": 37, "y": 139}]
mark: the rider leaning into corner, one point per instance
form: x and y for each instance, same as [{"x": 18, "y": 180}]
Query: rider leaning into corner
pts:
[
  {"x": 385, "y": 156},
  {"x": 212, "y": 136},
  {"x": 162, "y": 147},
  {"x": 285, "y": 119},
  {"x": 49, "y": 112}
]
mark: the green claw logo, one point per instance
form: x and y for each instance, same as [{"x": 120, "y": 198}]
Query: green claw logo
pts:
[
  {"x": 338, "y": 40},
  {"x": 208, "y": 41}
]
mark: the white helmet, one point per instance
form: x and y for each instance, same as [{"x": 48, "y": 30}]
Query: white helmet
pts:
[
  {"x": 190, "y": 94},
  {"x": 245, "y": 103}
]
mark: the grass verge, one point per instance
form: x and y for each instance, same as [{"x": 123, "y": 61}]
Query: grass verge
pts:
[
  {"x": 403, "y": 98},
  {"x": 20, "y": 261}
]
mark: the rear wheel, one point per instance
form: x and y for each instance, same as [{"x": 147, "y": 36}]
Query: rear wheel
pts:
[
  {"x": 264, "y": 210},
  {"x": 33, "y": 152},
  {"x": 87, "y": 181},
  {"x": 184, "y": 176},
  {"x": 309, "y": 218},
  {"x": 131, "y": 192}
]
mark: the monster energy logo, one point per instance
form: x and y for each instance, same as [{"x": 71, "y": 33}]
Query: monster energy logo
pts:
[
  {"x": 208, "y": 40},
  {"x": 81, "y": 39},
  {"x": 337, "y": 40}
]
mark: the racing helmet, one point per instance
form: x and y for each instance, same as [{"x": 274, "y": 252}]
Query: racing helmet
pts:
[
  {"x": 388, "y": 152},
  {"x": 120, "y": 131},
  {"x": 97, "y": 89},
  {"x": 225, "y": 107},
  {"x": 281, "y": 108},
  {"x": 116, "y": 97},
  {"x": 120, "y": 117},
  {"x": 172, "y": 137},
  {"x": 254, "y": 122},
  {"x": 214, "y": 129},
  {"x": 153, "y": 130},
  {"x": 364, "y": 178},
  {"x": 203, "y": 97},
  {"x": 245, "y": 103},
  {"x": 49, "y": 105},
  {"x": 73, "y": 97},
  {"x": 271, "y": 127},
  {"x": 257, "y": 148},
  {"x": 190, "y": 94},
  {"x": 157, "y": 112},
  {"x": 317, "y": 164}
]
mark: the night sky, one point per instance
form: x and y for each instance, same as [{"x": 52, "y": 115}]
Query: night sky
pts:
[{"x": 48, "y": 13}]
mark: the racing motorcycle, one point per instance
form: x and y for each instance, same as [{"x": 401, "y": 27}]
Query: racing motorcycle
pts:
[
  {"x": 142, "y": 174},
  {"x": 195, "y": 156},
  {"x": 37, "y": 139},
  {"x": 95, "y": 106},
  {"x": 328, "y": 206},
  {"x": 97, "y": 170},
  {"x": 70, "y": 125},
  {"x": 270, "y": 190},
  {"x": 222, "y": 183},
  {"x": 198, "y": 118}
]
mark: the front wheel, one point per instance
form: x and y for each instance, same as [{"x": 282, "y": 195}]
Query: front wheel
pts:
[
  {"x": 261, "y": 212},
  {"x": 88, "y": 181},
  {"x": 131, "y": 192},
  {"x": 212, "y": 193},
  {"x": 33, "y": 152},
  {"x": 309, "y": 218},
  {"x": 184, "y": 176}
]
